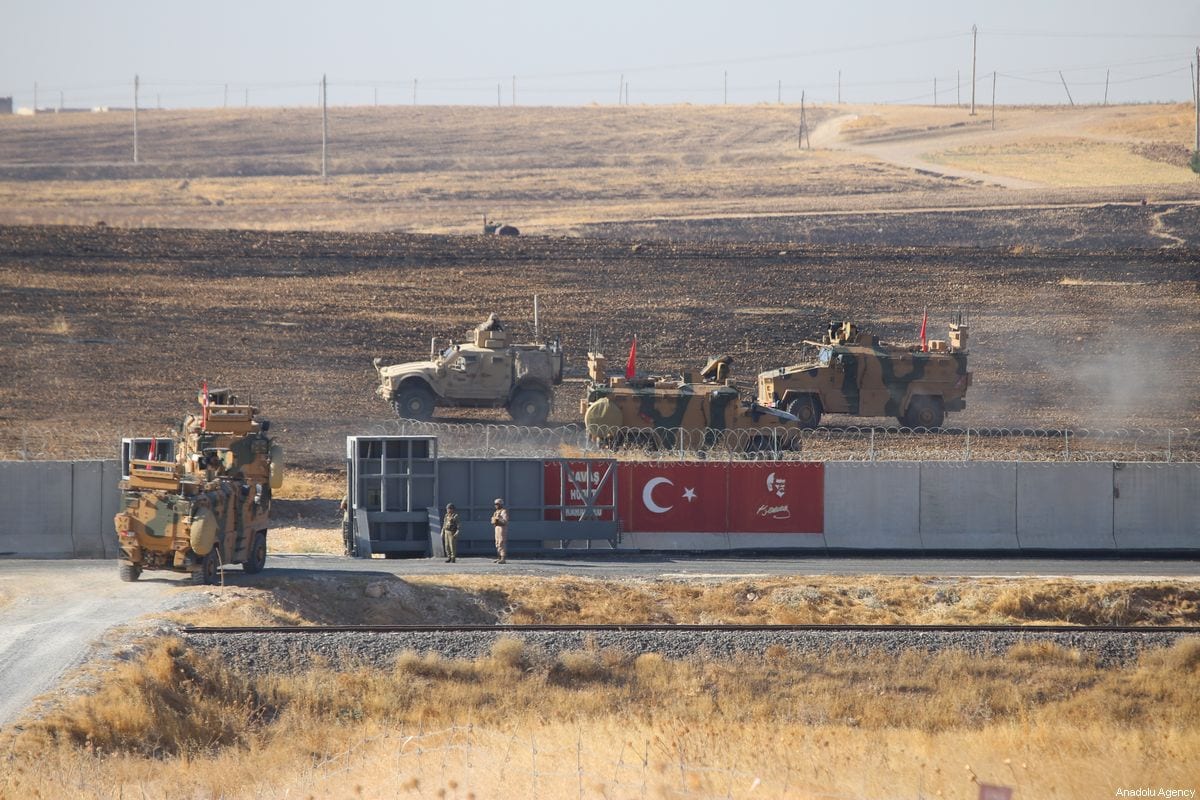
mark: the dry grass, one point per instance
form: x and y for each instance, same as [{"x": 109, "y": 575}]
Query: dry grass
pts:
[
  {"x": 600, "y": 723},
  {"x": 302, "y": 484},
  {"x": 1065, "y": 161},
  {"x": 382, "y": 599}
]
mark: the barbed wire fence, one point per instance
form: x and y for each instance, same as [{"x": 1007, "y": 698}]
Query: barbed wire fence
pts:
[{"x": 850, "y": 443}]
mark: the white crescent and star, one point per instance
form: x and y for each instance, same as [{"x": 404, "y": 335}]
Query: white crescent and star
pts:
[{"x": 689, "y": 494}]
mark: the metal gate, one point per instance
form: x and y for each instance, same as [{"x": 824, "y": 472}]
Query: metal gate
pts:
[{"x": 391, "y": 486}]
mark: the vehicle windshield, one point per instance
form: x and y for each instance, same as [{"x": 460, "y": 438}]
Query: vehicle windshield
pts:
[
  {"x": 824, "y": 356},
  {"x": 448, "y": 353}
]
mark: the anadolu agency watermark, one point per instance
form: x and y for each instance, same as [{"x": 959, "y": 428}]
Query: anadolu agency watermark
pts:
[{"x": 1156, "y": 791}]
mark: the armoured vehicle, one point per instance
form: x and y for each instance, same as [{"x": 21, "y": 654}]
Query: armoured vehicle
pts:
[
  {"x": 695, "y": 410},
  {"x": 200, "y": 499},
  {"x": 855, "y": 373},
  {"x": 487, "y": 371}
]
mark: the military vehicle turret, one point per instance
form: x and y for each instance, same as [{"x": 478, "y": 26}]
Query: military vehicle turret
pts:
[
  {"x": 487, "y": 371},
  {"x": 694, "y": 410},
  {"x": 855, "y": 373},
  {"x": 201, "y": 498}
]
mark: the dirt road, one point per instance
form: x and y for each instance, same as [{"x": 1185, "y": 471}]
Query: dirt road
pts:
[{"x": 57, "y": 613}]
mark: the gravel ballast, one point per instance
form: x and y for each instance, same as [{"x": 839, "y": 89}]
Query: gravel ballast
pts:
[{"x": 288, "y": 651}]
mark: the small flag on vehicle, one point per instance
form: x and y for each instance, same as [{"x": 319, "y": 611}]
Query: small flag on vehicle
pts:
[{"x": 631, "y": 364}]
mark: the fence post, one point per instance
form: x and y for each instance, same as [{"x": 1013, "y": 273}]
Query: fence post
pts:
[
  {"x": 871, "y": 447},
  {"x": 1168, "y": 446},
  {"x": 1067, "y": 439},
  {"x": 487, "y": 440},
  {"x": 679, "y": 438}
]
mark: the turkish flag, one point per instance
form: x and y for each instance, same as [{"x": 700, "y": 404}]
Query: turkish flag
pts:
[
  {"x": 780, "y": 497},
  {"x": 631, "y": 363},
  {"x": 673, "y": 498},
  {"x": 924, "y": 320}
]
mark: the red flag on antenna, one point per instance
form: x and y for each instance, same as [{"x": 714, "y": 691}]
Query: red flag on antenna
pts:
[
  {"x": 924, "y": 319},
  {"x": 154, "y": 449},
  {"x": 631, "y": 364},
  {"x": 204, "y": 405}
]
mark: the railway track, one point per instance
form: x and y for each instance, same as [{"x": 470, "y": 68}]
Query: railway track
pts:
[{"x": 377, "y": 646}]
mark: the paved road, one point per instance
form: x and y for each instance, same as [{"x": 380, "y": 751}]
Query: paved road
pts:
[{"x": 50, "y": 614}]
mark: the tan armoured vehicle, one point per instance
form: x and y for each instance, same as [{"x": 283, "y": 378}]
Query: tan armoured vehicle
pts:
[
  {"x": 487, "y": 371},
  {"x": 695, "y": 411},
  {"x": 855, "y": 373},
  {"x": 201, "y": 499}
]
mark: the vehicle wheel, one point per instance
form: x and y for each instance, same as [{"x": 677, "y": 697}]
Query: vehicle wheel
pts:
[
  {"x": 209, "y": 570},
  {"x": 258, "y": 554},
  {"x": 807, "y": 409},
  {"x": 128, "y": 571},
  {"x": 529, "y": 407},
  {"x": 414, "y": 402},
  {"x": 925, "y": 411}
]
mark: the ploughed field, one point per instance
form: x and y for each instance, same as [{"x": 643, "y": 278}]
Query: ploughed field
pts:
[{"x": 107, "y": 332}]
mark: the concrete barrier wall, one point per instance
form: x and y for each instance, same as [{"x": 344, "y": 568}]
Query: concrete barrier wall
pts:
[
  {"x": 873, "y": 505},
  {"x": 1156, "y": 506},
  {"x": 55, "y": 509}
]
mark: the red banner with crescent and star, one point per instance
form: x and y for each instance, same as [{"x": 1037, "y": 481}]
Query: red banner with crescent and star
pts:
[{"x": 768, "y": 497}]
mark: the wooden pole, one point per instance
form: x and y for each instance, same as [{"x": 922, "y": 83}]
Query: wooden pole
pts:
[
  {"x": 993, "y": 100},
  {"x": 135, "y": 120},
  {"x": 1064, "y": 83},
  {"x": 414, "y": 91},
  {"x": 974, "y": 36},
  {"x": 376, "y": 95},
  {"x": 324, "y": 129},
  {"x": 497, "y": 95},
  {"x": 935, "y": 90},
  {"x": 621, "y": 89},
  {"x": 1107, "y": 73},
  {"x": 247, "y": 101}
]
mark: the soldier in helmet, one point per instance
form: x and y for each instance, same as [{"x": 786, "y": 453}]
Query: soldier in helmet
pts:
[
  {"x": 500, "y": 522},
  {"x": 450, "y": 532}
]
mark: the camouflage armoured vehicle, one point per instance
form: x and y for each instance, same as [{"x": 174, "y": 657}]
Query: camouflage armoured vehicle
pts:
[
  {"x": 855, "y": 373},
  {"x": 693, "y": 411},
  {"x": 202, "y": 498},
  {"x": 488, "y": 371}
]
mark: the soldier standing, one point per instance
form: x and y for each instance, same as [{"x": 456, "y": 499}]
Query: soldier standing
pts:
[
  {"x": 500, "y": 521},
  {"x": 450, "y": 532}
]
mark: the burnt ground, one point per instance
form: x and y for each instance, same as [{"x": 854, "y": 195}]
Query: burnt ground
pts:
[{"x": 107, "y": 332}]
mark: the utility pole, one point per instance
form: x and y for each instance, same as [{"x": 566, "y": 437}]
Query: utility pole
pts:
[
  {"x": 803, "y": 125},
  {"x": 1107, "y": 73},
  {"x": 414, "y": 91},
  {"x": 935, "y": 90},
  {"x": 839, "y": 87},
  {"x": 376, "y": 96},
  {"x": 1064, "y": 82},
  {"x": 958, "y": 88},
  {"x": 246, "y": 102},
  {"x": 974, "y": 35},
  {"x": 135, "y": 110},
  {"x": 60, "y": 101},
  {"x": 620, "y": 88},
  {"x": 993, "y": 100},
  {"x": 324, "y": 129},
  {"x": 497, "y": 95}
]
